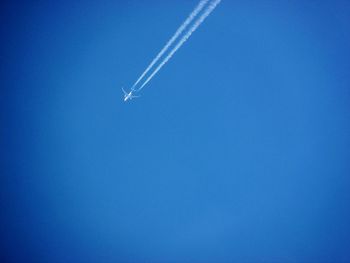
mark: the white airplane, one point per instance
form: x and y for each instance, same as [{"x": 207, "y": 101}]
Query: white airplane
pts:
[{"x": 129, "y": 96}]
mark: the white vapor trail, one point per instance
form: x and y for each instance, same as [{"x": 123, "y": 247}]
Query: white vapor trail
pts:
[
  {"x": 178, "y": 32},
  {"x": 193, "y": 28}
]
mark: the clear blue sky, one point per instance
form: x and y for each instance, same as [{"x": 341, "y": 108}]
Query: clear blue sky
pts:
[{"x": 237, "y": 151}]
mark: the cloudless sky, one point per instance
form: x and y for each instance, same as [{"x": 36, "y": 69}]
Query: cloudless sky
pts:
[{"x": 237, "y": 151}]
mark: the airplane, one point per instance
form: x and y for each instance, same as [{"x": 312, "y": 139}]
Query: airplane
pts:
[{"x": 129, "y": 96}]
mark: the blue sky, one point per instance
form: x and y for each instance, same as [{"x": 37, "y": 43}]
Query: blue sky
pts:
[{"x": 237, "y": 151}]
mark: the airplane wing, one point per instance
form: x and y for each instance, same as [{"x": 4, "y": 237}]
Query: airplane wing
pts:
[{"x": 124, "y": 91}]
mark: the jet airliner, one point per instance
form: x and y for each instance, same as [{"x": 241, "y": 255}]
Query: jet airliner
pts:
[{"x": 129, "y": 96}]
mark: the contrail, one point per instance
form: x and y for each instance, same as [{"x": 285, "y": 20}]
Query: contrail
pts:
[
  {"x": 178, "y": 32},
  {"x": 196, "y": 24}
]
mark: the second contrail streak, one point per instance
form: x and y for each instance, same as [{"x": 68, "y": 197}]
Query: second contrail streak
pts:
[
  {"x": 178, "y": 32},
  {"x": 193, "y": 28}
]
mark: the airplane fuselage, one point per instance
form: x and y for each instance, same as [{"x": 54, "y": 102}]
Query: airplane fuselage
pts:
[{"x": 127, "y": 96}]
